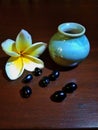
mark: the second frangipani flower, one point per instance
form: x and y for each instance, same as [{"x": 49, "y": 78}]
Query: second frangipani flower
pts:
[{"x": 24, "y": 54}]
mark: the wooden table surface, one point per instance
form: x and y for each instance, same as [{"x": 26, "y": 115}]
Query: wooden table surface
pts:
[{"x": 41, "y": 18}]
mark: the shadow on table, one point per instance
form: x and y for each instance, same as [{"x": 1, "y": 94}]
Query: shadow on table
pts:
[
  {"x": 50, "y": 64},
  {"x": 3, "y": 61}
]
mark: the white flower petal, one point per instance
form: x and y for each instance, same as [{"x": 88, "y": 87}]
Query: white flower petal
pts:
[
  {"x": 23, "y": 41},
  {"x": 9, "y": 48},
  {"x": 36, "y": 49},
  {"x": 14, "y": 68},
  {"x": 30, "y": 63}
]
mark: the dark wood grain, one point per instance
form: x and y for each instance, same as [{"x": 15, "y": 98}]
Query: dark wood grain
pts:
[{"x": 41, "y": 18}]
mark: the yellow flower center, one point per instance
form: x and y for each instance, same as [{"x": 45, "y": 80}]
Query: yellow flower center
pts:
[{"x": 21, "y": 53}]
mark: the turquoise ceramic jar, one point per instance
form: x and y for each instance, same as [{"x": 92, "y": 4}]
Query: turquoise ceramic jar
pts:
[{"x": 69, "y": 46}]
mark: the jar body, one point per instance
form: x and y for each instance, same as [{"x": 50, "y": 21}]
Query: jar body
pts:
[{"x": 68, "y": 51}]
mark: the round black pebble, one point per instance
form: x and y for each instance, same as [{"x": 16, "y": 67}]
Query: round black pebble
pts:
[
  {"x": 58, "y": 96},
  {"x": 28, "y": 78},
  {"x": 44, "y": 81},
  {"x": 70, "y": 87},
  {"x": 37, "y": 71},
  {"x": 54, "y": 75},
  {"x": 26, "y": 92}
]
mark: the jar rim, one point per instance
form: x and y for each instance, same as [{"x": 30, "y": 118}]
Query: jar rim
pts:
[{"x": 71, "y": 29}]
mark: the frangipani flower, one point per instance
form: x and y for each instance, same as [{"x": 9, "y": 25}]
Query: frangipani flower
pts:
[{"x": 24, "y": 54}]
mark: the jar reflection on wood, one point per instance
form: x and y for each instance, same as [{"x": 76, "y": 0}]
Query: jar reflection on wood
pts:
[{"x": 69, "y": 46}]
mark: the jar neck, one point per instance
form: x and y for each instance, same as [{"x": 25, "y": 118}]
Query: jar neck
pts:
[{"x": 71, "y": 29}]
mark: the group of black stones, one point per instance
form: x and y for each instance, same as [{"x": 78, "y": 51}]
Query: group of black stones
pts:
[{"x": 57, "y": 96}]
